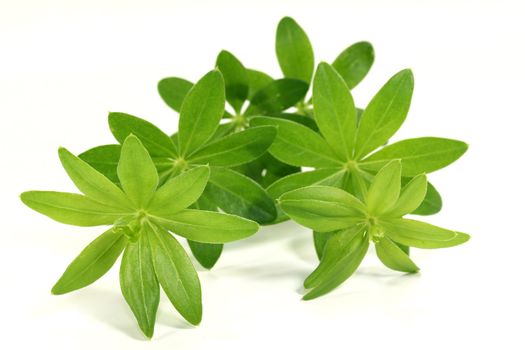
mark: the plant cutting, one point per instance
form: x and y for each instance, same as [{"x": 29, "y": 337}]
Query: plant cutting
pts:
[
  {"x": 348, "y": 150},
  {"x": 252, "y": 93},
  {"x": 199, "y": 141},
  {"x": 355, "y": 223},
  {"x": 141, "y": 214}
]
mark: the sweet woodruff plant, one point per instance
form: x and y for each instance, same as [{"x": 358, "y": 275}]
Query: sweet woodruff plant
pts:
[{"x": 252, "y": 150}]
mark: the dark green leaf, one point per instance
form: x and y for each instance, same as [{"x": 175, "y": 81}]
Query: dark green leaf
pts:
[
  {"x": 431, "y": 204},
  {"x": 277, "y": 96},
  {"x": 173, "y": 91},
  {"x": 235, "y": 78},
  {"x": 206, "y": 254},
  {"x": 257, "y": 80},
  {"x": 103, "y": 159},
  {"x": 354, "y": 63}
]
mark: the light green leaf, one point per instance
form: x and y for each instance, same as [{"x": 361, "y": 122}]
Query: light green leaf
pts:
[
  {"x": 237, "y": 194},
  {"x": 137, "y": 173},
  {"x": 92, "y": 263},
  {"x": 320, "y": 240},
  {"x": 139, "y": 284},
  {"x": 208, "y": 226},
  {"x": 298, "y": 145},
  {"x": 410, "y": 198},
  {"x": 236, "y": 149},
  {"x": 385, "y": 114},
  {"x": 176, "y": 274},
  {"x": 431, "y": 204},
  {"x": 393, "y": 257},
  {"x": 385, "y": 188},
  {"x": 335, "y": 112},
  {"x": 173, "y": 91},
  {"x": 419, "y": 155},
  {"x": 277, "y": 96},
  {"x": 206, "y": 254},
  {"x": 354, "y": 63},
  {"x": 92, "y": 183},
  {"x": 152, "y": 138},
  {"x": 179, "y": 192},
  {"x": 201, "y": 112},
  {"x": 322, "y": 208},
  {"x": 294, "y": 51},
  {"x": 257, "y": 80},
  {"x": 325, "y": 176},
  {"x": 421, "y": 235},
  {"x": 103, "y": 159},
  {"x": 342, "y": 256},
  {"x": 235, "y": 78},
  {"x": 72, "y": 208}
]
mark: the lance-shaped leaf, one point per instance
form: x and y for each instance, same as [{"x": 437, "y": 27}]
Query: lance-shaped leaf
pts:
[
  {"x": 72, "y": 208},
  {"x": 421, "y": 235},
  {"x": 179, "y": 192},
  {"x": 92, "y": 183},
  {"x": 335, "y": 111},
  {"x": 237, "y": 194},
  {"x": 277, "y": 96},
  {"x": 393, "y": 257},
  {"x": 139, "y": 284},
  {"x": 103, "y": 159},
  {"x": 235, "y": 78},
  {"x": 385, "y": 113},
  {"x": 208, "y": 226},
  {"x": 173, "y": 91},
  {"x": 153, "y": 139},
  {"x": 298, "y": 145},
  {"x": 206, "y": 254},
  {"x": 385, "y": 188},
  {"x": 294, "y": 51},
  {"x": 176, "y": 274},
  {"x": 342, "y": 256},
  {"x": 256, "y": 81},
  {"x": 92, "y": 263},
  {"x": 325, "y": 176},
  {"x": 136, "y": 172},
  {"x": 320, "y": 240},
  {"x": 323, "y": 208},
  {"x": 431, "y": 204},
  {"x": 354, "y": 63},
  {"x": 419, "y": 155},
  {"x": 201, "y": 112},
  {"x": 236, "y": 149},
  {"x": 411, "y": 197}
]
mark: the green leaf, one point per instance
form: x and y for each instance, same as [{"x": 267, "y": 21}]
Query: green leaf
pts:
[
  {"x": 173, "y": 91},
  {"x": 139, "y": 284},
  {"x": 298, "y": 118},
  {"x": 176, "y": 274},
  {"x": 298, "y": 145},
  {"x": 419, "y": 155},
  {"x": 354, "y": 63},
  {"x": 335, "y": 111},
  {"x": 342, "y": 256},
  {"x": 236, "y": 149},
  {"x": 235, "y": 78},
  {"x": 322, "y": 208},
  {"x": 431, "y": 204},
  {"x": 72, "y": 208},
  {"x": 393, "y": 257},
  {"x": 206, "y": 254},
  {"x": 277, "y": 96},
  {"x": 201, "y": 112},
  {"x": 410, "y": 198},
  {"x": 256, "y": 81},
  {"x": 152, "y": 138},
  {"x": 92, "y": 183},
  {"x": 325, "y": 176},
  {"x": 320, "y": 240},
  {"x": 421, "y": 235},
  {"x": 237, "y": 194},
  {"x": 92, "y": 263},
  {"x": 384, "y": 189},
  {"x": 385, "y": 113},
  {"x": 294, "y": 51},
  {"x": 208, "y": 226},
  {"x": 179, "y": 192},
  {"x": 137, "y": 173},
  {"x": 103, "y": 159}
]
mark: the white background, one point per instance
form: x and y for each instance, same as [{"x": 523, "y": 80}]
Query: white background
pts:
[{"x": 65, "y": 64}]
